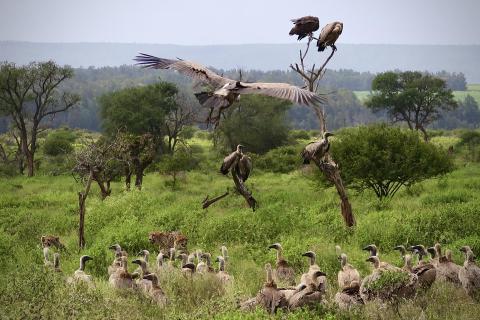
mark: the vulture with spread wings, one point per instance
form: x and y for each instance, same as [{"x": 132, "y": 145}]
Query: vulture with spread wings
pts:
[{"x": 223, "y": 92}]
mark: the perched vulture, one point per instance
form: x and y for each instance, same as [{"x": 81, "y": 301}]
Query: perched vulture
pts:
[
  {"x": 304, "y": 26},
  {"x": 222, "y": 92},
  {"x": 316, "y": 149},
  {"x": 329, "y": 35},
  {"x": 231, "y": 159},
  {"x": 244, "y": 167}
]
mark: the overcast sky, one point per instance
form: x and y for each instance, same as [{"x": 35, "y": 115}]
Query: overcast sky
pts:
[{"x": 195, "y": 22}]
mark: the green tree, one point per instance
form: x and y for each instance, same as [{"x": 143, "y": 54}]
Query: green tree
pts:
[
  {"x": 412, "y": 97},
  {"x": 29, "y": 94},
  {"x": 140, "y": 113},
  {"x": 59, "y": 142},
  {"x": 173, "y": 164},
  {"x": 384, "y": 158},
  {"x": 257, "y": 122}
]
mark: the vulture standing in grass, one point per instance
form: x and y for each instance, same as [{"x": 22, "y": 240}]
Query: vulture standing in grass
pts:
[
  {"x": 121, "y": 278},
  {"x": 117, "y": 260},
  {"x": 329, "y": 35},
  {"x": 79, "y": 275},
  {"x": 142, "y": 283},
  {"x": 316, "y": 149},
  {"x": 304, "y": 26},
  {"x": 283, "y": 273},
  {"x": 156, "y": 293},
  {"x": 469, "y": 274},
  {"x": 348, "y": 285},
  {"x": 425, "y": 271},
  {"x": 222, "y": 92},
  {"x": 270, "y": 297},
  {"x": 374, "y": 253},
  {"x": 308, "y": 295},
  {"x": 447, "y": 270},
  {"x": 222, "y": 275}
]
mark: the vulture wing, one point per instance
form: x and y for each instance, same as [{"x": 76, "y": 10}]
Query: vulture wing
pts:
[
  {"x": 304, "y": 26},
  {"x": 228, "y": 162},
  {"x": 245, "y": 167},
  {"x": 188, "y": 68},
  {"x": 282, "y": 91}
]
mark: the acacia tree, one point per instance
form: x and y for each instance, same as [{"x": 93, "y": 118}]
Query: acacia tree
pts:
[
  {"x": 97, "y": 162},
  {"x": 140, "y": 114},
  {"x": 29, "y": 94},
  {"x": 411, "y": 97},
  {"x": 312, "y": 77},
  {"x": 180, "y": 117},
  {"x": 384, "y": 158}
]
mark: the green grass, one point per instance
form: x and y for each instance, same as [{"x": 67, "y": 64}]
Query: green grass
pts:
[
  {"x": 472, "y": 89},
  {"x": 292, "y": 210}
]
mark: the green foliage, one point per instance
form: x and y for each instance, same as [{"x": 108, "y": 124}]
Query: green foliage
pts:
[
  {"x": 59, "y": 142},
  {"x": 172, "y": 164},
  {"x": 389, "y": 279},
  {"x": 299, "y": 134},
  {"x": 412, "y": 97},
  {"x": 257, "y": 122},
  {"x": 282, "y": 159},
  {"x": 138, "y": 110},
  {"x": 383, "y": 159},
  {"x": 470, "y": 137}
]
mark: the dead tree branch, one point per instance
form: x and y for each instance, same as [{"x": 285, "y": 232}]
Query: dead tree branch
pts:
[{"x": 208, "y": 202}]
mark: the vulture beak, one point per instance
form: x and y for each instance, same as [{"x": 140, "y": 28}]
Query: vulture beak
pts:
[
  {"x": 190, "y": 266},
  {"x": 398, "y": 248},
  {"x": 301, "y": 286},
  {"x": 136, "y": 261},
  {"x": 319, "y": 274},
  {"x": 86, "y": 258},
  {"x": 308, "y": 254},
  {"x": 369, "y": 259},
  {"x": 148, "y": 276},
  {"x": 463, "y": 249},
  {"x": 367, "y": 248}
]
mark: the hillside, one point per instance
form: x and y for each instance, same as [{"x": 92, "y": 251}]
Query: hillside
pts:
[
  {"x": 293, "y": 210},
  {"x": 358, "y": 57}
]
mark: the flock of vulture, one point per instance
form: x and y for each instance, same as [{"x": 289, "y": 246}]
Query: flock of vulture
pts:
[
  {"x": 281, "y": 290},
  {"x": 220, "y": 92}
]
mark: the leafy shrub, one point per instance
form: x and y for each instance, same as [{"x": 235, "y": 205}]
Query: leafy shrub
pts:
[
  {"x": 384, "y": 158},
  {"x": 280, "y": 160},
  {"x": 470, "y": 137},
  {"x": 59, "y": 142},
  {"x": 299, "y": 134}
]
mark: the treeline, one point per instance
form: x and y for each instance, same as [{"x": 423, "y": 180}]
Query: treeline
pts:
[{"x": 344, "y": 108}]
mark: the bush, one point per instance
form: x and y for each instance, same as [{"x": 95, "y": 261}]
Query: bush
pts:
[
  {"x": 384, "y": 158},
  {"x": 470, "y": 138},
  {"x": 59, "y": 142},
  {"x": 299, "y": 134},
  {"x": 281, "y": 160}
]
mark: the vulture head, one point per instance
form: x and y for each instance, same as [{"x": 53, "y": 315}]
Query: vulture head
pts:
[
  {"x": 372, "y": 248},
  {"x": 432, "y": 251},
  {"x": 115, "y": 247},
  {"x": 309, "y": 254},
  {"x": 276, "y": 246},
  {"x": 401, "y": 248},
  {"x": 327, "y": 134}
]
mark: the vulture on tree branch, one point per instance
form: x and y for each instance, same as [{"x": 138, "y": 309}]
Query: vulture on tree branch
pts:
[
  {"x": 244, "y": 167},
  {"x": 230, "y": 160},
  {"x": 329, "y": 35},
  {"x": 304, "y": 26},
  {"x": 316, "y": 149},
  {"x": 222, "y": 92}
]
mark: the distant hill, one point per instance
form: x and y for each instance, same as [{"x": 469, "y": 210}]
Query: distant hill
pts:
[{"x": 359, "y": 57}]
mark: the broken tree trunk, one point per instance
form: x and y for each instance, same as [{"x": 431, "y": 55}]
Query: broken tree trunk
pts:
[
  {"x": 242, "y": 189},
  {"x": 208, "y": 202},
  {"x": 82, "y": 197}
]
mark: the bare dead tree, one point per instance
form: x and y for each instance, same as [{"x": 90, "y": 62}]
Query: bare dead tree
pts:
[
  {"x": 312, "y": 77},
  {"x": 207, "y": 202},
  {"x": 95, "y": 162},
  {"x": 183, "y": 115}
]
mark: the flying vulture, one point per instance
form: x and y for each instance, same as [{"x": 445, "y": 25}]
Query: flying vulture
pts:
[
  {"x": 329, "y": 35},
  {"x": 316, "y": 149},
  {"x": 222, "y": 91},
  {"x": 304, "y": 26}
]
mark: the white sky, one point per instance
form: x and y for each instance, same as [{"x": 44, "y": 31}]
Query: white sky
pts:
[{"x": 196, "y": 22}]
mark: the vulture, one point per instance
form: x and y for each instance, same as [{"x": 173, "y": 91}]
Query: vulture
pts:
[
  {"x": 374, "y": 286},
  {"x": 469, "y": 274},
  {"x": 142, "y": 283},
  {"x": 121, "y": 278},
  {"x": 329, "y": 35},
  {"x": 304, "y": 26},
  {"x": 117, "y": 260},
  {"x": 308, "y": 295},
  {"x": 348, "y": 284},
  {"x": 447, "y": 270},
  {"x": 231, "y": 160},
  {"x": 425, "y": 271},
  {"x": 156, "y": 293},
  {"x": 283, "y": 273},
  {"x": 270, "y": 297},
  {"x": 222, "y": 275},
  {"x": 223, "y": 92},
  {"x": 316, "y": 149},
  {"x": 244, "y": 167},
  {"x": 374, "y": 253},
  {"x": 80, "y": 275},
  {"x": 311, "y": 277}
]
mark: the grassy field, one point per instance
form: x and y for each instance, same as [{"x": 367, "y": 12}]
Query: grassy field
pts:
[
  {"x": 293, "y": 210},
  {"x": 472, "y": 89}
]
